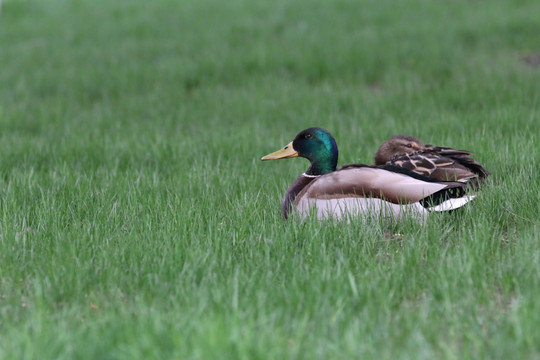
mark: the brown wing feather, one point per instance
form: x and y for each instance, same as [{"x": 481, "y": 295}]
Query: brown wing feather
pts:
[
  {"x": 456, "y": 167},
  {"x": 446, "y": 151},
  {"x": 461, "y": 157}
]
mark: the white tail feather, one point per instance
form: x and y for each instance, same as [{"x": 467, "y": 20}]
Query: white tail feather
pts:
[{"x": 452, "y": 204}]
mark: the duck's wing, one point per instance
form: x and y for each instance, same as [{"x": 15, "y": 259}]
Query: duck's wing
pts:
[
  {"x": 390, "y": 183},
  {"x": 446, "y": 151},
  {"x": 445, "y": 168},
  {"x": 461, "y": 157}
]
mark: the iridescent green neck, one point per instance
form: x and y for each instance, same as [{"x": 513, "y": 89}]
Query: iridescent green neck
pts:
[
  {"x": 320, "y": 148},
  {"x": 321, "y": 167}
]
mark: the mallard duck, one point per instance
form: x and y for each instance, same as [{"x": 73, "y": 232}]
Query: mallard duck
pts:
[
  {"x": 437, "y": 162},
  {"x": 358, "y": 189}
]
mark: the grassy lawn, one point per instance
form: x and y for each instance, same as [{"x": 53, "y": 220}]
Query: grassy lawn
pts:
[{"x": 138, "y": 222}]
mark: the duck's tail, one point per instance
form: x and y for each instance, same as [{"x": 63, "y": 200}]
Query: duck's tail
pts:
[{"x": 452, "y": 204}]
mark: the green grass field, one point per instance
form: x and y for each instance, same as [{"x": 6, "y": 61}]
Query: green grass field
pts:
[{"x": 137, "y": 221}]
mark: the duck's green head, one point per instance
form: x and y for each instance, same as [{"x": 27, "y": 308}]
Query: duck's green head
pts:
[{"x": 315, "y": 144}]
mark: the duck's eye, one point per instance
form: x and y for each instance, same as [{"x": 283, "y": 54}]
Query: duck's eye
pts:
[
  {"x": 308, "y": 136},
  {"x": 409, "y": 146}
]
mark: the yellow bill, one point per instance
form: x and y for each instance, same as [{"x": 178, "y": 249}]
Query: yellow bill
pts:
[{"x": 287, "y": 152}]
